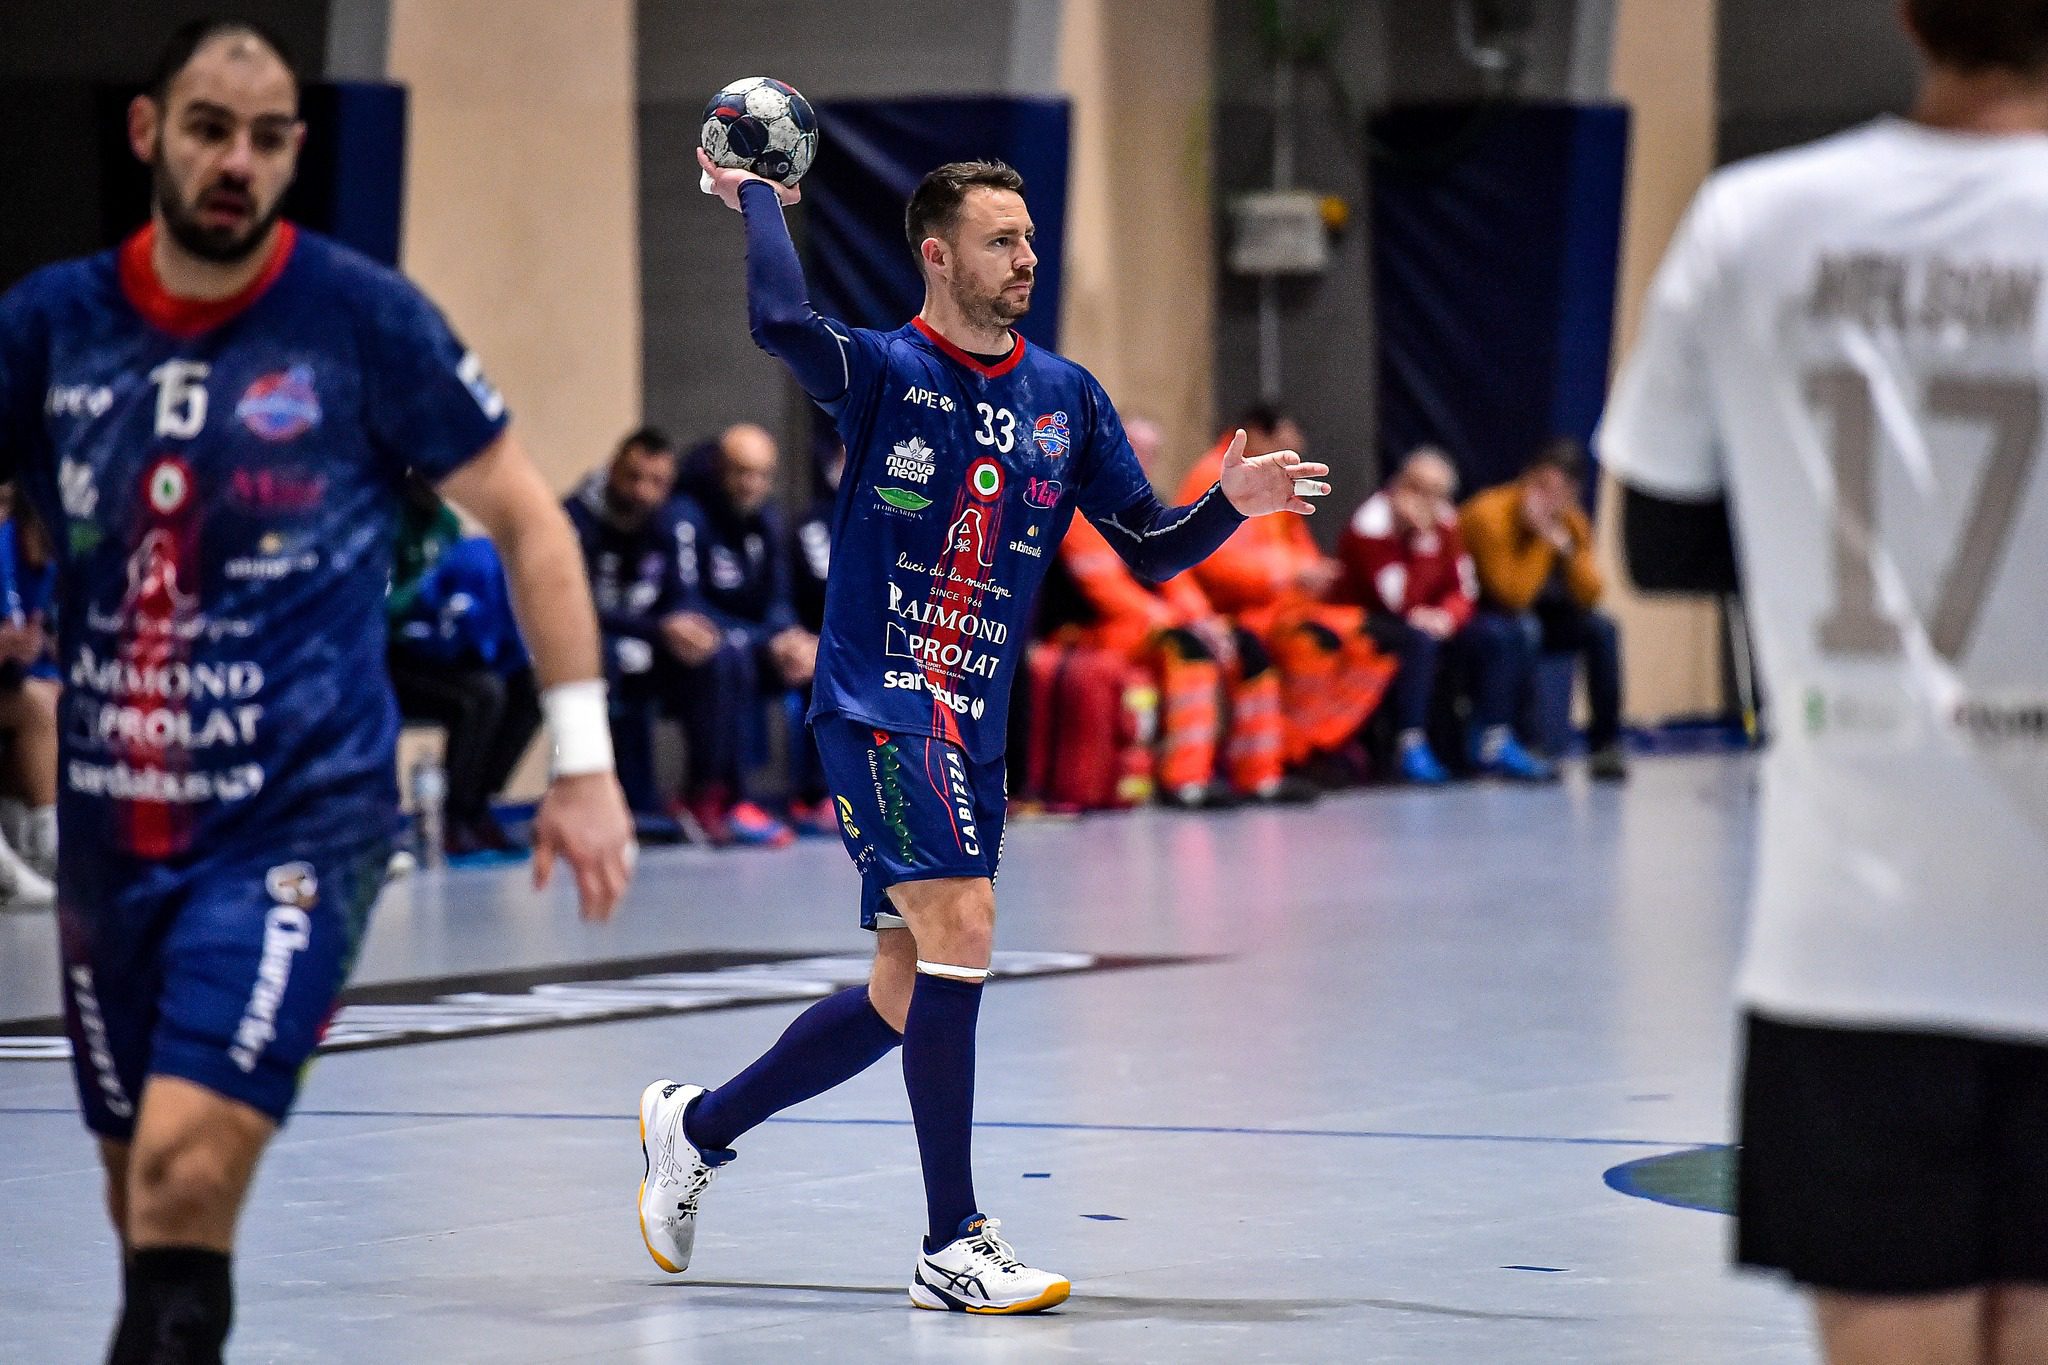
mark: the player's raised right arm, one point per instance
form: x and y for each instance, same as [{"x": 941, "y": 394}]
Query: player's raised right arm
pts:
[{"x": 779, "y": 312}]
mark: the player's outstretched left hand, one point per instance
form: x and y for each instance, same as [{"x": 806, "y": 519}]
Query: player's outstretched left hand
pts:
[
  {"x": 584, "y": 820},
  {"x": 1280, "y": 481},
  {"x": 725, "y": 182}
]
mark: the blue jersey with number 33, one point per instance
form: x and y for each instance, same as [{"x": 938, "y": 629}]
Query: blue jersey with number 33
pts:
[{"x": 961, "y": 478}]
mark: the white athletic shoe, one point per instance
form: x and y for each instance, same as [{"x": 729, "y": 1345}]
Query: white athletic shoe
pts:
[
  {"x": 14, "y": 821},
  {"x": 978, "y": 1272},
  {"x": 39, "y": 841},
  {"x": 21, "y": 884},
  {"x": 677, "y": 1175}
]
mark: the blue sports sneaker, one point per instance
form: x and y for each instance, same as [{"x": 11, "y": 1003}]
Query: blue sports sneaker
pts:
[
  {"x": 1504, "y": 756},
  {"x": 1419, "y": 765}
]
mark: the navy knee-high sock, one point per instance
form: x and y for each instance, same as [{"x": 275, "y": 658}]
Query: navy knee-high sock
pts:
[
  {"x": 938, "y": 1071},
  {"x": 832, "y": 1041}
]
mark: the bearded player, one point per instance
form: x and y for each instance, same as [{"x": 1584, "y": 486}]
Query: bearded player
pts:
[
  {"x": 216, "y": 421},
  {"x": 968, "y": 452}
]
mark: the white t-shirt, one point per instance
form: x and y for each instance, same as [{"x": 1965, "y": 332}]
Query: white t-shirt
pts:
[{"x": 1850, "y": 339}]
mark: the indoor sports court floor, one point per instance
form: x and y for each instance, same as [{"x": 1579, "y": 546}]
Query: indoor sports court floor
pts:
[{"x": 1336, "y": 1084}]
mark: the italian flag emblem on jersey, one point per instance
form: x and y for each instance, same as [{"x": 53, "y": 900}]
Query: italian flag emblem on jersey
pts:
[{"x": 985, "y": 479}]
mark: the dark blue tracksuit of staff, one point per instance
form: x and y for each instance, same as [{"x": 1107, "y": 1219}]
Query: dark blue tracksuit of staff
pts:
[
  {"x": 640, "y": 576},
  {"x": 743, "y": 583}
]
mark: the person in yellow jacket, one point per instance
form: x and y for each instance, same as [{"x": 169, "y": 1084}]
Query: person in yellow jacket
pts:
[{"x": 1539, "y": 591}]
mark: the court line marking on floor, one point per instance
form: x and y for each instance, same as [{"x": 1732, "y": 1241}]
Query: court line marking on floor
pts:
[
  {"x": 573, "y": 995},
  {"x": 1024, "y": 1125}
]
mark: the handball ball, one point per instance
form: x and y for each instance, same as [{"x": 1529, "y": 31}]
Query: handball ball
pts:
[{"x": 761, "y": 125}]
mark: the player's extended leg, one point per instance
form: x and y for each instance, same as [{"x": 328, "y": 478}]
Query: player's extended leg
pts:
[
  {"x": 1929, "y": 1329},
  {"x": 687, "y": 1132},
  {"x": 188, "y": 1171},
  {"x": 831, "y": 1042},
  {"x": 964, "y": 1267}
]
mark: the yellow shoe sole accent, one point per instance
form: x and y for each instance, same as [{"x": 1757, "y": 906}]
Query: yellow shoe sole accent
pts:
[
  {"x": 1051, "y": 1298},
  {"x": 659, "y": 1259}
]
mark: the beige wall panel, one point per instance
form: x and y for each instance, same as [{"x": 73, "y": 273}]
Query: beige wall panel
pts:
[
  {"x": 1664, "y": 71},
  {"x": 1139, "y": 303},
  {"x": 521, "y": 187},
  {"x": 521, "y": 213}
]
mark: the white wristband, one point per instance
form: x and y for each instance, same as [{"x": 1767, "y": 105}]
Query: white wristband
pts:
[
  {"x": 948, "y": 969},
  {"x": 579, "y": 726}
]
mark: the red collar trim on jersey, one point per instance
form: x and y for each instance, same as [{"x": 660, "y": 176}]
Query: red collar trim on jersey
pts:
[
  {"x": 183, "y": 317},
  {"x": 995, "y": 371}
]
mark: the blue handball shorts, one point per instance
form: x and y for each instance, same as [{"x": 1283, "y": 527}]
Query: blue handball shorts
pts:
[
  {"x": 219, "y": 970},
  {"x": 911, "y": 808}
]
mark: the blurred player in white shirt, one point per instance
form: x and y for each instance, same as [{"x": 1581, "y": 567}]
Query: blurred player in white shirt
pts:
[{"x": 1846, "y": 350}]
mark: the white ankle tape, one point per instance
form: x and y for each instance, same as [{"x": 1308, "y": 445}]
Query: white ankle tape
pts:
[{"x": 945, "y": 969}]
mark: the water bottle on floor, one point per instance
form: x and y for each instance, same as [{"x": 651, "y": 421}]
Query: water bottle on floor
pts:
[{"x": 429, "y": 812}]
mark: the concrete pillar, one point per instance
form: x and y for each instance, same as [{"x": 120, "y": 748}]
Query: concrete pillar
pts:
[
  {"x": 1139, "y": 302},
  {"x": 1663, "y": 69}
]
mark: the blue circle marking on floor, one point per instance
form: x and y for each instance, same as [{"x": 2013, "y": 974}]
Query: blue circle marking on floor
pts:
[{"x": 1701, "y": 1178}]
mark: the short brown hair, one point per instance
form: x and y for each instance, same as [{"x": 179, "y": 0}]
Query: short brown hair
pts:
[
  {"x": 1983, "y": 35},
  {"x": 1562, "y": 453},
  {"x": 935, "y": 204}
]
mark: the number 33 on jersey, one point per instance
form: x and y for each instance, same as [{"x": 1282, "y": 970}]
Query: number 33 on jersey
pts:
[{"x": 961, "y": 479}]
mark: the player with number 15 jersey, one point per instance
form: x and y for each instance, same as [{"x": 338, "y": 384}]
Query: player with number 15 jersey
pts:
[{"x": 215, "y": 421}]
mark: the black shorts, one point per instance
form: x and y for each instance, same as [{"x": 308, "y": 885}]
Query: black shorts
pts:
[{"x": 1883, "y": 1162}]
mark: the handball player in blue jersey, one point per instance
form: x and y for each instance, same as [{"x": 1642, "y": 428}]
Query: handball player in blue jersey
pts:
[
  {"x": 215, "y": 421},
  {"x": 968, "y": 453}
]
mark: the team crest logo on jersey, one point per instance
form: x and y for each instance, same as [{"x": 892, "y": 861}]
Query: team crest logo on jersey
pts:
[
  {"x": 170, "y": 483},
  {"x": 985, "y": 480},
  {"x": 1050, "y": 434},
  {"x": 280, "y": 407}
]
